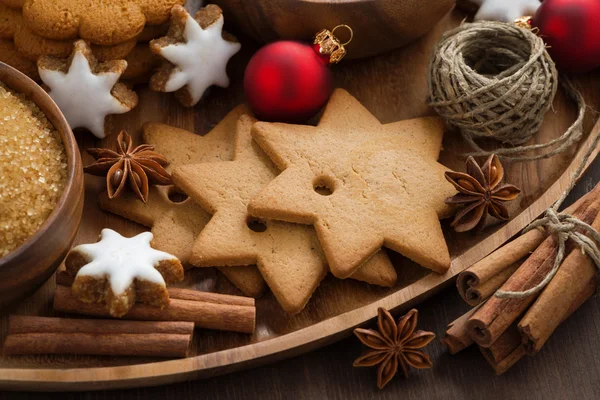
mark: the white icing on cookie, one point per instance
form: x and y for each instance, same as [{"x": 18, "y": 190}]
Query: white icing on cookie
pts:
[
  {"x": 84, "y": 97},
  {"x": 505, "y": 10},
  {"x": 121, "y": 260},
  {"x": 200, "y": 62}
]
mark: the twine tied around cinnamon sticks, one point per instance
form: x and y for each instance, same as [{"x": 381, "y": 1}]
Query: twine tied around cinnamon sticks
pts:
[
  {"x": 564, "y": 226},
  {"x": 496, "y": 80}
]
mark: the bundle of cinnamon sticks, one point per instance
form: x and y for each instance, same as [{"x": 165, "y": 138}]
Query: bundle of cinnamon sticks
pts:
[
  {"x": 506, "y": 329},
  {"x": 145, "y": 331}
]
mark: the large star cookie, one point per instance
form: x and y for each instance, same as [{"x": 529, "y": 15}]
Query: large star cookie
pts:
[
  {"x": 362, "y": 184},
  {"x": 85, "y": 91},
  {"x": 100, "y": 22},
  {"x": 120, "y": 270},
  {"x": 197, "y": 52},
  {"x": 176, "y": 225},
  {"x": 288, "y": 255}
]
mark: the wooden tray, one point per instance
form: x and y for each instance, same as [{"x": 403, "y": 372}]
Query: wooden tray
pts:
[{"x": 393, "y": 87}]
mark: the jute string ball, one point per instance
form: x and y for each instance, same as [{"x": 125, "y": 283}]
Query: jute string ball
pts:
[{"x": 496, "y": 80}]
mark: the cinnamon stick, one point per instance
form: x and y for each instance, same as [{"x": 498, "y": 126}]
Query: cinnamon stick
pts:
[
  {"x": 504, "y": 364},
  {"x": 204, "y": 314},
  {"x": 475, "y": 287},
  {"x": 63, "y": 278},
  {"x": 509, "y": 349},
  {"x": 483, "y": 278},
  {"x": 457, "y": 338},
  {"x": 496, "y": 315},
  {"x": 41, "y": 335},
  {"x": 551, "y": 307}
]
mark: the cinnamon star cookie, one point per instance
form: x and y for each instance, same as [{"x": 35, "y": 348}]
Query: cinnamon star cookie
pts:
[
  {"x": 87, "y": 91},
  {"x": 362, "y": 184},
  {"x": 120, "y": 271},
  {"x": 288, "y": 256},
  {"x": 196, "y": 52}
]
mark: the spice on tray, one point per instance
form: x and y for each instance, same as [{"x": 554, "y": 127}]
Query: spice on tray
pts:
[
  {"x": 140, "y": 166},
  {"x": 394, "y": 345},
  {"x": 33, "y": 167}
]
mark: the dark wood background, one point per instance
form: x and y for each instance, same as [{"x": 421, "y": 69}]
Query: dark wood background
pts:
[{"x": 568, "y": 367}]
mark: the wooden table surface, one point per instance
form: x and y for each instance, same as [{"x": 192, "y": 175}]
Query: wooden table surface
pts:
[{"x": 568, "y": 367}]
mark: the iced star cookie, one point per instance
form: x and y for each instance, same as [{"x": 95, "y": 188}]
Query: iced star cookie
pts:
[
  {"x": 288, "y": 256},
  {"x": 502, "y": 10},
  {"x": 176, "y": 225},
  {"x": 99, "y": 22},
  {"x": 363, "y": 185},
  {"x": 86, "y": 91},
  {"x": 120, "y": 271},
  {"x": 196, "y": 53}
]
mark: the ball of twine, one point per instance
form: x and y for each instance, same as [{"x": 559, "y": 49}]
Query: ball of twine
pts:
[{"x": 494, "y": 79}]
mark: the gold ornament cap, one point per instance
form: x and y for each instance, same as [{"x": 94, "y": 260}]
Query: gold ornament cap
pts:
[{"x": 330, "y": 45}]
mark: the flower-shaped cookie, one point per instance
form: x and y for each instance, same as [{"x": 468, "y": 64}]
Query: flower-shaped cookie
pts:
[
  {"x": 120, "y": 271},
  {"x": 197, "y": 51},
  {"x": 100, "y": 22},
  {"x": 85, "y": 90}
]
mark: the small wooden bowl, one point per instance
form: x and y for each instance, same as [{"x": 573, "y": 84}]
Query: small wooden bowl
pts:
[{"x": 25, "y": 269}]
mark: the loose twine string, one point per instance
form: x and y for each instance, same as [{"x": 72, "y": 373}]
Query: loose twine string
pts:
[{"x": 493, "y": 79}]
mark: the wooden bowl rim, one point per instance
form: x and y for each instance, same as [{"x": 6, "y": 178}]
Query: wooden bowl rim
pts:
[{"x": 58, "y": 120}]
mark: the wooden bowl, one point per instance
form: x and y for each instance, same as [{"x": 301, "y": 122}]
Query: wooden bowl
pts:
[
  {"x": 25, "y": 269},
  {"x": 378, "y": 25}
]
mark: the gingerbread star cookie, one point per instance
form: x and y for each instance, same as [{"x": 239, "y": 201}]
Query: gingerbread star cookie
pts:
[
  {"x": 99, "y": 22},
  {"x": 363, "y": 185},
  {"x": 196, "y": 52},
  {"x": 86, "y": 91},
  {"x": 119, "y": 270},
  {"x": 288, "y": 255},
  {"x": 176, "y": 225}
]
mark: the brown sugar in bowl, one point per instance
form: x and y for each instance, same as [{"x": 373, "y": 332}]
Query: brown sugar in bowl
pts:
[{"x": 27, "y": 267}]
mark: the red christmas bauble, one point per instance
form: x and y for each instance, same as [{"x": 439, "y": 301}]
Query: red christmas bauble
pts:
[
  {"x": 571, "y": 28},
  {"x": 287, "y": 81}
]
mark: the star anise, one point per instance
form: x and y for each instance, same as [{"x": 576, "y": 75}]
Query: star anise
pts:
[
  {"x": 394, "y": 345},
  {"x": 480, "y": 193},
  {"x": 141, "y": 166}
]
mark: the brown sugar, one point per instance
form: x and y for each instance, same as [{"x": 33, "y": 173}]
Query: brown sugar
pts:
[{"x": 33, "y": 169}]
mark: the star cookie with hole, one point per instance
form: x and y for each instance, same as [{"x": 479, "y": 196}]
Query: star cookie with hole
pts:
[
  {"x": 120, "y": 271},
  {"x": 196, "y": 53},
  {"x": 175, "y": 225},
  {"x": 363, "y": 185},
  {"x": 288, "y": 255},
  {"x": 87, "y": 91}
]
